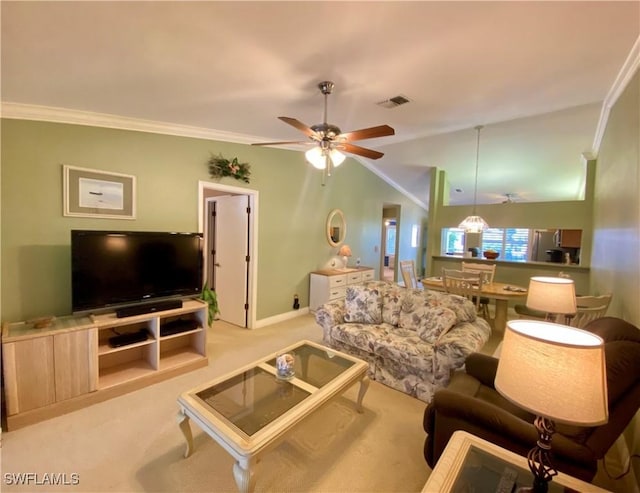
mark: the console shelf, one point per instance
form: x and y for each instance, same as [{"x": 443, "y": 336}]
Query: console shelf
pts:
[
  {"x": 125, "y": 372},
  {"x": 70, "y": 365}
]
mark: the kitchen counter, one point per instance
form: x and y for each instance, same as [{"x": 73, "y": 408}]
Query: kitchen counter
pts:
[
  {"x": 517, "y": 273},
  {"x": 511, "y": 263}
]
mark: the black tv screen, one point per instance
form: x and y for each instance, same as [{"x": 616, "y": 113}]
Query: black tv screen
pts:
[{"x": 118, "y": 268}]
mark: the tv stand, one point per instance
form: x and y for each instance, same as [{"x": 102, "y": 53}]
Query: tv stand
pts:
[{"x": 70, "y": 365}]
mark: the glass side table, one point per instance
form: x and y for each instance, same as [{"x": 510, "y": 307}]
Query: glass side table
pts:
[{"x": 470, "y": 464}]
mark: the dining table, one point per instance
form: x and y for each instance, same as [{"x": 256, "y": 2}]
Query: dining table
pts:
[{"x": 500, "y": 292}]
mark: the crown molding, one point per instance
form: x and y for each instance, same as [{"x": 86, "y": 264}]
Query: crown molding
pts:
[
  {"x": 628, "y": 70},
  {"x": 20, "y": 111}
]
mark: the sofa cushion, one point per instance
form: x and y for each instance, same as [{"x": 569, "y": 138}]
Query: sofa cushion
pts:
[
  {"x": 392, "y": 304},
  {"x": 464, "y": 309},
  {"x": 363, "y": 305},
  {"x": 361, "y": 336},
  {"x": 435, "y": 322}
]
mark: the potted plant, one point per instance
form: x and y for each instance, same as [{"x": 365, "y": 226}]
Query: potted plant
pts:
[{"x": 211, "y": 298}]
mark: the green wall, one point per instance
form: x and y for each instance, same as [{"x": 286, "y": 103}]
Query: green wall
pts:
[
  {"x": 615, "y": 262},
  {"x": 293, "y": 207}
]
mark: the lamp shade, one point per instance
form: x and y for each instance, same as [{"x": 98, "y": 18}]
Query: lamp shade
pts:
[
  {"x": 316, "y": 157},
  {"x": 473, "y": 224},
  {"x": 345, "y": 251},
  {"x": 554, "y": 371},
  {"x": 551, "y": 295},
  {"x": 336, "y": 157}
]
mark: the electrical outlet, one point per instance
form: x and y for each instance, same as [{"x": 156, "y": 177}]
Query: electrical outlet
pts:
[
  {"x": 358, "y": 261},
  {"x": 375, "y": 249}
]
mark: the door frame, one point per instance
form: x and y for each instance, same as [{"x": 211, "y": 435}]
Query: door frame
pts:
[
  {"x": 383, "y": 240},
  {"x": 253, "y": 236}
]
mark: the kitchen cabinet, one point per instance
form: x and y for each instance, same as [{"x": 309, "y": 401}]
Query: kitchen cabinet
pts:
[{"x": 569, "y": 238}]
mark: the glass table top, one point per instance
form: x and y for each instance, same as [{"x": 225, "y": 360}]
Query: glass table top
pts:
[
  {"x": 483, "y": 472},
  {"x": 254, "y": 398}
]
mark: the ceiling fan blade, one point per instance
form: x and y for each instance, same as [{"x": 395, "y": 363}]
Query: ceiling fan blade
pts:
[
  {"x": 308, "y": 131},
  {"x": 360, "y": 151},
  {"x": 280, "y": 143},
  {"x": 367, "y": 133}
]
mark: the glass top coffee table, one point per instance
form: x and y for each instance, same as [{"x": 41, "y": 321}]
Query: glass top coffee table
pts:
[{"x": 250, "y": 410}]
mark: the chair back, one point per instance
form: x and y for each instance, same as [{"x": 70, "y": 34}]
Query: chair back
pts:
[
  {"x": 467, "y": 284},
  {"x": 590, "y": 308},
  {"x": 408, "y": 270},
  {"x": 488, "y": 271}
]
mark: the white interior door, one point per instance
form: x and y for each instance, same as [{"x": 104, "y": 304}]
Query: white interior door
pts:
[{"x": 231, "y": 257}]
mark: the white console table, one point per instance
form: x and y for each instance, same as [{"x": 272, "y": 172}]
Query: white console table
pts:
[{"x": 331, "y": 284}]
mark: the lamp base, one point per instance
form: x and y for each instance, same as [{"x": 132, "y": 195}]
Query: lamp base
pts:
[
  {"x": 538, "y": 486},
  {"x": 539, "y": 456}
]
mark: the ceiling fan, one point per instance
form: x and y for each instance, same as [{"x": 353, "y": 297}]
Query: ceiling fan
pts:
[{"x": 329, "y": 140}]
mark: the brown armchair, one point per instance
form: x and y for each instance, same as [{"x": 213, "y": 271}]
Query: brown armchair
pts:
[{"x": 471, "y": 403}]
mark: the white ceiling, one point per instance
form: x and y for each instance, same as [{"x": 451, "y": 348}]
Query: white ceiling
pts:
[{"x": 534, "y": 73}]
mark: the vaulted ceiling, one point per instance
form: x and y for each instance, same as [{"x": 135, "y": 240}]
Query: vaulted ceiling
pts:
[{"x": 535, "y": 74}]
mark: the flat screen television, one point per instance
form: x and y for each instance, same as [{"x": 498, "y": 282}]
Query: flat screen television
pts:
[{"x": 111, "y": 269}]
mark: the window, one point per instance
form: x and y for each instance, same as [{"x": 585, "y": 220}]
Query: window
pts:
[
  {"x": 453, "y": 241},
  {"x": 512, "y": 243}
]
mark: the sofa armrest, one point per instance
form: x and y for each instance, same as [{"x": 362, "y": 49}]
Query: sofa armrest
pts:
[
  {"x": 330, "y": 314},
  {"x": 483, "y": 367},
  {"x": 485, "y": 416},
  {"x": 451, "y": 410},
  {"x": 453, "y": 348}
]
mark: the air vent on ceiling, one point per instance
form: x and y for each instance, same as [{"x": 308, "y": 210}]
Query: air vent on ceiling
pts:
[{"x": 394, "y": 101}]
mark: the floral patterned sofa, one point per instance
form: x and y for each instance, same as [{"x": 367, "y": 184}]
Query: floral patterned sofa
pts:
[{"x": 412, "y": 339}]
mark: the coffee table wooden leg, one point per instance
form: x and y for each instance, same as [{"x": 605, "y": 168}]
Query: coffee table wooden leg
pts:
[
  {"x": 183, "y": 423},
  {"x": 364, "y": 385},
  {"x": 243, "y": 474}
]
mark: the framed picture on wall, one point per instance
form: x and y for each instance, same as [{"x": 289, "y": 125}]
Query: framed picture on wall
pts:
[{"x": 94, "y": 193}]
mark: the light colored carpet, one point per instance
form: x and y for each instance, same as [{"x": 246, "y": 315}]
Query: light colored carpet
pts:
[{"x": 133, "y": 443}]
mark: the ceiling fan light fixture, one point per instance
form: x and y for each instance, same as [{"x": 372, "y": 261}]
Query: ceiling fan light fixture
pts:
[
  {"x": 337, "y": 157},
  {"x": 316, "y": 157}
]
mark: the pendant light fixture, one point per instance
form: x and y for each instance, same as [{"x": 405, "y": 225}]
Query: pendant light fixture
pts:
[{"x": 474, "y": 223}]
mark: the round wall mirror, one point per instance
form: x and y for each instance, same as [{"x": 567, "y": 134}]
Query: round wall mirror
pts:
[{"x": 336, "y": 227}]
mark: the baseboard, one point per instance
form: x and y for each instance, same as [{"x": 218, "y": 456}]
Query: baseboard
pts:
[{"x": 281, "y": 317}]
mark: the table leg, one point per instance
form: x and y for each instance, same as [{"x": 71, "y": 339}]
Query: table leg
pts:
[
  {"x": 243, "y": 474},
  {"x": 183, "y": 423},
  {"x": 500, "y": 318},
  {"x": 364, "y": 385}
]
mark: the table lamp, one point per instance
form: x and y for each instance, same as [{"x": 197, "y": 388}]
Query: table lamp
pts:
[
  {"x": 558, "y": 373},
  {"x": 345, "y": 253},
  {"x": 552, "y": 295}
]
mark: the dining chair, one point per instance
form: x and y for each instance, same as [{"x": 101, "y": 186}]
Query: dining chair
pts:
[
  {"x": 408, "y": 271},
  {"x": 487, "y": 271},
  {"x": 467, "y": 284},
  {"x": 589, "y": 308}
]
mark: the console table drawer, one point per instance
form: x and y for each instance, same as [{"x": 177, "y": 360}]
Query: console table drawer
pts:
[
  {"x": 337, "y": 281},
  {"x": 354, "y": 278},
  {"x": 337, "y": 293},
  {"x": 331, "y": 284}
]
